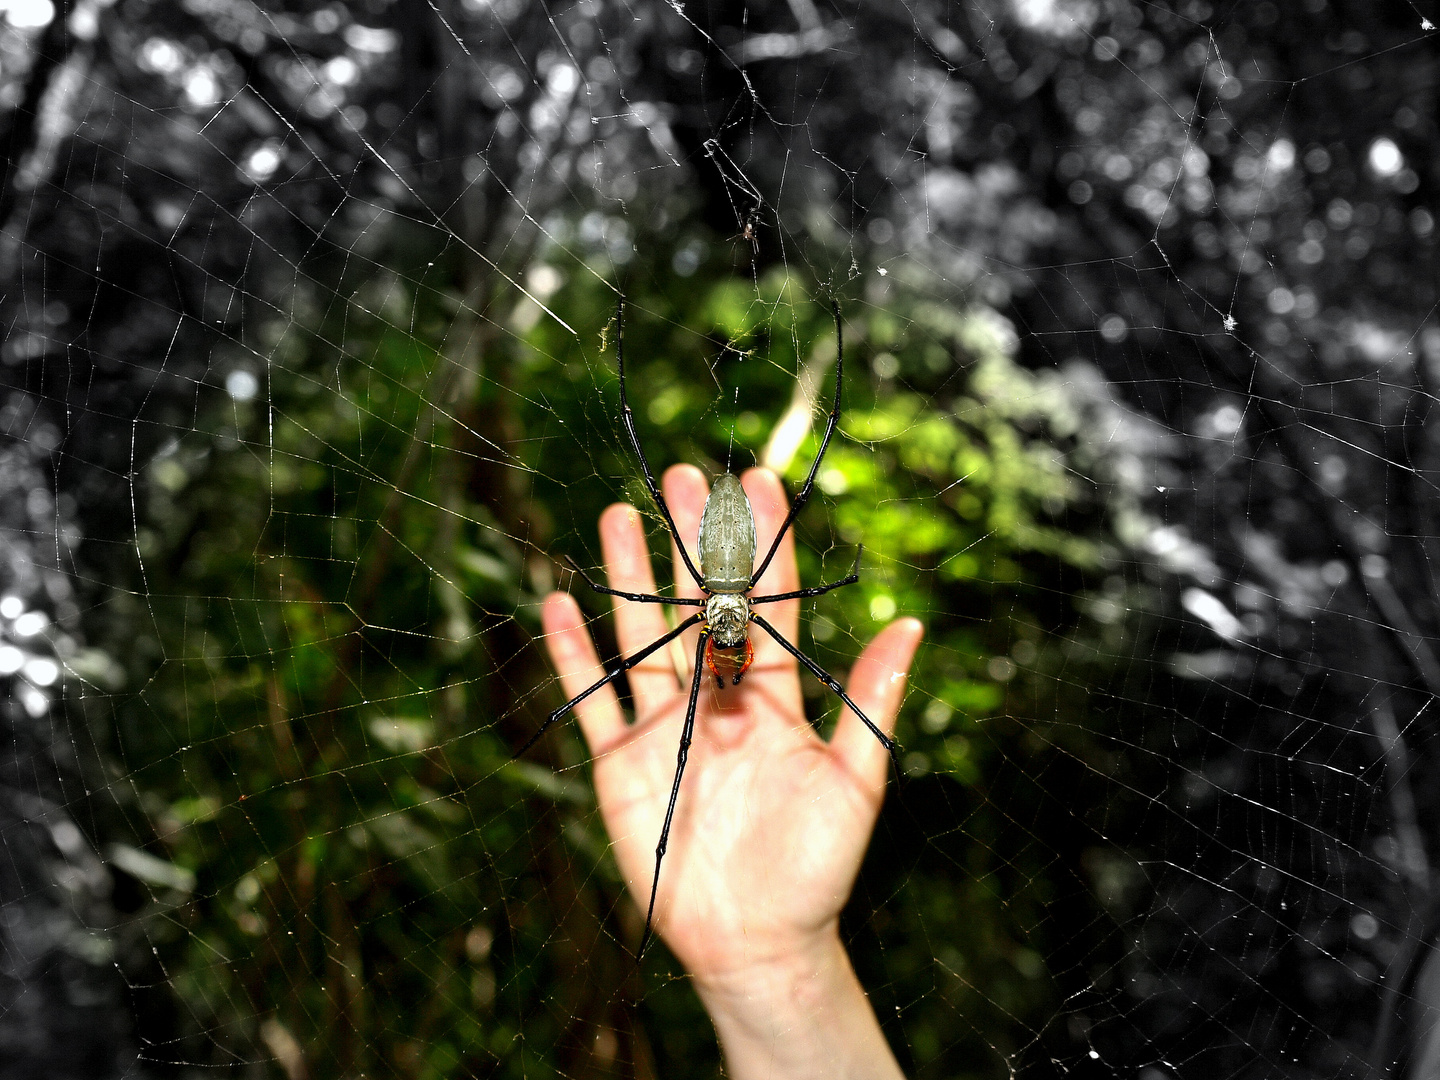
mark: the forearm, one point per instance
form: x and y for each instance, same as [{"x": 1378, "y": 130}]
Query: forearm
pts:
[{"x": 803, "y": 1018}]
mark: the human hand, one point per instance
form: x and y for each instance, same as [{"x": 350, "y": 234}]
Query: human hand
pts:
[{"x": 772, "y": 821}]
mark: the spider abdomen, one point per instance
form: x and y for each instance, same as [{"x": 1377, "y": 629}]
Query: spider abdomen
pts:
[{"x": 727, "y": 538}]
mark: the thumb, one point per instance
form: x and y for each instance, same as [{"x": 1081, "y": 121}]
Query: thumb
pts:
[{"x": 877, "y": 686}]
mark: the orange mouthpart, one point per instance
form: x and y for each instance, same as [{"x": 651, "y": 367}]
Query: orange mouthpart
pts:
[{"x": 728, "y": 662}]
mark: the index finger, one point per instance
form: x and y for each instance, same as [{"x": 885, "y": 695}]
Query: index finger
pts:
[{"x": 768, "y": 501}]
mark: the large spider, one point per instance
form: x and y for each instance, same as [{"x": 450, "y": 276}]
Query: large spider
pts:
[{"x": 726, "y": 575}]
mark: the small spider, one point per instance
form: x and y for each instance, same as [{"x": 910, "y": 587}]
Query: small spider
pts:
[
  {"x": 726, "y": 575},
  {"x": 751, "y": 229}
]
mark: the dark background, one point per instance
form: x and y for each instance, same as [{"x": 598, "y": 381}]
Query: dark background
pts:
[{"x": 304, "y": 381}]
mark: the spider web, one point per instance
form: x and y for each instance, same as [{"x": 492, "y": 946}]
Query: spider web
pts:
[{"x": 309, "y": 386}]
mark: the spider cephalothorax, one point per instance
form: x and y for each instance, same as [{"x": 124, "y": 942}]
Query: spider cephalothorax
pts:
[{"x": 727, "y": 575}]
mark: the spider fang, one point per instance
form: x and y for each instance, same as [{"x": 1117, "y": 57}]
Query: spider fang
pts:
[{"x": 722, "y": 661}]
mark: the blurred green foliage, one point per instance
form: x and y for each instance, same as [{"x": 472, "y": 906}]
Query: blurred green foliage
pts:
[{"x": 337, "y": 652}]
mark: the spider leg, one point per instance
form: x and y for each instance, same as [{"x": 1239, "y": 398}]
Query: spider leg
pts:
[
  {"x": 629, "y": 418},
  {"x": 800, "y": 594},
  {"x": 829, "y": 680},
  {"x": 686, "y": 734},
  {"x": 804, "y": 494},
  {"x": 644, "y": 598},
  {"x": 614, "y": 673}
]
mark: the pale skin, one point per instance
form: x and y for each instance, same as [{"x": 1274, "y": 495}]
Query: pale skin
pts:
[{"x": 772, "y": 820}]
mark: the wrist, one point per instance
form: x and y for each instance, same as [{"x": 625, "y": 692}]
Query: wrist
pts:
[
  {"x": 771, "y": 970},
  {"x": 797, "y": 1013}
]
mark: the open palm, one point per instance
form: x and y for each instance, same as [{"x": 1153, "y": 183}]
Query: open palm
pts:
[{"x": 772, "y": 821}]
